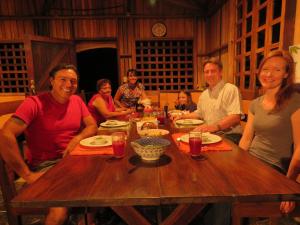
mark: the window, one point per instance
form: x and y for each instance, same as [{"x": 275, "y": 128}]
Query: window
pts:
[
  {"x": 168, "y": 64},
  {"x": 13, "y": 72},
  {"x": 258, "y": 31}
]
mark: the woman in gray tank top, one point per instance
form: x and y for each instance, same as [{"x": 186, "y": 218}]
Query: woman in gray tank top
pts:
[{"x": 272, "y": 132}]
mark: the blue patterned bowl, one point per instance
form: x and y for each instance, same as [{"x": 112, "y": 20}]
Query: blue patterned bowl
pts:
[{"x": 150, "y": 148}]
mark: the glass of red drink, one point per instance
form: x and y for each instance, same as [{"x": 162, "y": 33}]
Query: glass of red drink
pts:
[
  {"x": 195, "y": 142},
  {"x": 161, "y": 117},
  {"x": 118, "y": 144}
]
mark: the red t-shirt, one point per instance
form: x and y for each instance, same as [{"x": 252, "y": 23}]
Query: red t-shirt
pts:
[
  {"x": 51, "y": 125},
  {"x": 94, "y": 111}
]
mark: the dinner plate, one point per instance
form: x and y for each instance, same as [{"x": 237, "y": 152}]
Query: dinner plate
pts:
[
  {"x": 207, "y": 138},
  {"x": 189, "y": 122},
  {"x": 114, "y": 123},
  {"x": 97, "y": 141}
]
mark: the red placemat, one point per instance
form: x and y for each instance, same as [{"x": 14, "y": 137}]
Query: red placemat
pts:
[
  {"x": 219, "y": 146},
  {"x": 81, "y": 150}
]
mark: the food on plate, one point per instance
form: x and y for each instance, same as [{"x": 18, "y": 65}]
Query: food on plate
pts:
[
  {"x": 99, "y": 141},
  {"x": 111, "y": 122},
  {"x": 153, "y": 132}
]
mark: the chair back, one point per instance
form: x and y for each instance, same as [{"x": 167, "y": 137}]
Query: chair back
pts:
[
  {"x": 8, "y": 190},
  {"x": 154, "y": 96}
]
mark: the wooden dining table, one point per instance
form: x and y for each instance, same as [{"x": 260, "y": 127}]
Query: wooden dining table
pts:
[{"x": 101, "y": 180}]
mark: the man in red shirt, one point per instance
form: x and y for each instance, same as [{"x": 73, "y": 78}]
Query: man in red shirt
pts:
[{"x": 53, "y": 123}]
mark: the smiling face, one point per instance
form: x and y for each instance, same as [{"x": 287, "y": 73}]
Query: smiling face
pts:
[
  {"x": 272, "y": 73},
  {"x": 132, "y": 78},
  {"x": 182, "y": 98},
  {"x": 212, "y": 74},
  {"x": 105, "y": 89},
  {"x": 64, "y": 84}
]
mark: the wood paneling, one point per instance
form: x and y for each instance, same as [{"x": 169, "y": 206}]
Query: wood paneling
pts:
[
  {"x": 297, "y": 21},
  {"x": 104, "y": 28},
  {"x": 15, "y": 29},
  {"x": 124, "y": 22},
  {"x": 216, "y": 28},
  {"x": 57, "y": 52}
]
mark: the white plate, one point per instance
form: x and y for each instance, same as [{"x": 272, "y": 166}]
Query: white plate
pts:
[
  {"x": 114, "y": 123},
  {"x": 189, "y": 122},
  {"x": 97, "y": 141},
  {"x": 207, "y": 138},
  {"x": 153, "y": 132}
]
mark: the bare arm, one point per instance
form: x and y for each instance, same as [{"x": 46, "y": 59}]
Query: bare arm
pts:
[
  {"x": 89, "y": 130},
  {"x": 226, "y": 123},
  {"x": 143, "y": 95},
  {"x": 192, "y": 115},
  {"x": 248, "y": 133},
  {"x": 9, "y": 149},
  {"x": 100, "y": 105},
  {"x": 294, "y": 168},
  {"x": 117, "y": 98}
]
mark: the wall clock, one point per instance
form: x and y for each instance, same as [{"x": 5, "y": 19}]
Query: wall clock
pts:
[{"x": 159, "y": 29}]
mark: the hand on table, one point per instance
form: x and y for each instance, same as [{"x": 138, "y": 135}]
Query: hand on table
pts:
[
  {"x": 33, "y": 176},
  {"x": 287, "y": 207},
  {"x": 72, "y": 144},
  {"x": 175, "y": 117},
  {"x": 207, "y": 128}
]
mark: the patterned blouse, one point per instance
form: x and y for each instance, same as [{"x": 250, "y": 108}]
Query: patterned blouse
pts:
[{"x": 129, "y": 96}]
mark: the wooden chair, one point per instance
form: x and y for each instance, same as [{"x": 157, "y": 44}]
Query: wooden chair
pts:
[
  {"x": 7, "y": 178},
  {"x": 256, "y": 210},
  {"x": 8, "y": 186},
  {"x": 154, "y": 96},
  {"x": 9, "y": 191}
]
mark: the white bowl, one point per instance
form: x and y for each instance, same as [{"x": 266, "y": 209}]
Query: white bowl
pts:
[{"x": 150, "y": 148}]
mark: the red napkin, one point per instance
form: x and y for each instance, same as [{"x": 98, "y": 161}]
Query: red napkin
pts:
[
  {"x": 219, "y": 146},
  {"x": 81, "y": 150}
]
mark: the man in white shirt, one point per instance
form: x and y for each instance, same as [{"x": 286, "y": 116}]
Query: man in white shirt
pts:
[
  {"x": 220, "y": 108},
  {"x": 219, "y": 105}
]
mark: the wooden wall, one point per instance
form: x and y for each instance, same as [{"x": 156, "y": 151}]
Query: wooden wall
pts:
[
  {"x": 217, "y": 30},
  {"x": 108, "y": 25},
  {"x": 297, "y": 28},
  {"x": 121, "y": 31}
]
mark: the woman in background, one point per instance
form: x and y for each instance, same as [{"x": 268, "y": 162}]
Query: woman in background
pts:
[
  {"x": 129, "y": 94},
  {"x": 102, "y": 106},
  {"x": 272, "y": 132},
  {"x": 185, "y": 102}
]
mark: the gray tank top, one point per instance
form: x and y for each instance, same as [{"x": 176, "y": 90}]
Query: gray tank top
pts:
[{"x": 273, "y": 134}]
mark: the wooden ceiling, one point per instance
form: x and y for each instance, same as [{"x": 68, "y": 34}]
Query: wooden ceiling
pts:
[
  {"x": 204, "y": 8},
  {"x": 90, "y": 8}
]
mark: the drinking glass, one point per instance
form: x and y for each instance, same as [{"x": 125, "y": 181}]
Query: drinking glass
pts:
[
  {"x": 118, "y": 144},
  {"x": 161, "y": 116},
  {"x": 195, "y": 142}
]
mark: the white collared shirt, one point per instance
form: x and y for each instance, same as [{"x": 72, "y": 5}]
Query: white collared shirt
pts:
[{"x": 222, "y": 100}]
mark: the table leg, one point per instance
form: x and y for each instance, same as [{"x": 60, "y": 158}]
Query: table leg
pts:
[
  {"x": 183, "y": 214},
  {"x": 130, "y": 215}
]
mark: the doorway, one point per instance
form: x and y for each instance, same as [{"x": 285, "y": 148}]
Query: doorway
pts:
[{"x": 95, "y": 64}]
